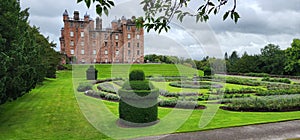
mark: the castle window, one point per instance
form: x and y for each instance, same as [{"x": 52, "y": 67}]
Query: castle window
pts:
[
  {"x": 94, "y": 35},
  {"x": 128, "y": 44},
  {"x": 138, "y": 45},
  {"x": 71, "y": 24},
  {"x": 95, "y": 60},
  {"x": 128, "y": 28},
  {"x": 105, "y": 52},
  {"x": 94, "y": 52},
  {"x": 82, "y": 34},
  {"x": 117, "y": 44},
  {"x": 105, "y": 43},
  {"x": 82, "y": 43},
  {"x": 81, "y": 25},
  {"x": 72, "y": 43},
  {"x": 128, "y": 52},
  {"x": 106, "y": 60},
  {"x": 128, "y": 36},
  {"x": 71, "y": 34},
  {"x": 117, "y": 37},
  {"x": 82, "y": 51},
  {"x": 117, "y": 52},
  {"x": 138, "y": 52},
  {"x": 72, "y": 51},
  {"x": 82, "y": 60},
  {"x": 137, "y": 36},
  {"x": 105, "y": 36}
]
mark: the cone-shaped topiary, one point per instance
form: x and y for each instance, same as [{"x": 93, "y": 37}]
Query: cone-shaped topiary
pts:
[{"x": 138, "y": 101}]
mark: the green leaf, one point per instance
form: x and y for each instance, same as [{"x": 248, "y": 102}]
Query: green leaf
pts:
[
  {"x": 99, "y": 10},
  {"x": 225, "y": 15},
  {"x": 211, "y": 3},
  {"x": 105, "y": 10},
  {"x": 111, "y": 3},
  {"x": 236, "y": 17},
  {"x": 88, "y": 3}
]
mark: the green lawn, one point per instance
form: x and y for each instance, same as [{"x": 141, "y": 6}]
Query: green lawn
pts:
[
  {"x": 122, "y": 70},
  {"x": 54, "y": 111},
  {"x": 50, "y": 111}
]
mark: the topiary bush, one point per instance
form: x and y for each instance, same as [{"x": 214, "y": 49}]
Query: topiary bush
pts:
[
  {"x": 136, "y": 75},
  {"x": 138, "y": 101}
]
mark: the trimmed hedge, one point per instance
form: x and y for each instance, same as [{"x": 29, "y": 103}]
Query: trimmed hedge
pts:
[
  {"x": 280, "y": 80},
  {"x": 138, "y": 85},
  {"x": 107, "y": 87},
  {"x": 195, "y": 85},
  {"x": 136, "y": 114},
  {"x": 242, "y": 81},
  {"x": 257, "y": 74},
  {"x": 84, "y": 87},
  {"x": 136, "y": 75},
  {"x": 174, "y": 102},
  {"x": 279, "y": 92},
  {"x": 266, "y": 104},
  {"x": 138, "y": 103}
]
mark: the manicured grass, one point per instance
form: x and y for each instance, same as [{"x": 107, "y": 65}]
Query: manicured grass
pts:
[
  {"x": 122, "y": 70},
  {"x": 55, "y": 111},
  {"x": 50, "y": 111}
]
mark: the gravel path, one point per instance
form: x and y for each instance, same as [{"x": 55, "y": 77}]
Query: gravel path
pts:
[{"x": 271, "y": 131}]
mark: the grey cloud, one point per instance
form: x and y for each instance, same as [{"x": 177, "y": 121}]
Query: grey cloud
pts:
[{"x": 279, "y": 5}]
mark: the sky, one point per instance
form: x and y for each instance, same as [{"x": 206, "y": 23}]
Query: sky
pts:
[{"x": 262, "y": 22}]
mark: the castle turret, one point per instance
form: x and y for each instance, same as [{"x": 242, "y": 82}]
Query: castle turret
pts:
[
  {"x": 65, "y": 15},
  {"x": 86, "y": 17}
]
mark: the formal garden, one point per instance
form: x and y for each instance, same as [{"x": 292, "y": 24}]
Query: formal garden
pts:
[{"x": 201, "y": 102}]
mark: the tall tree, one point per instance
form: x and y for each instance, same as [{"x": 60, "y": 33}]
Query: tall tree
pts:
[
  {"x": 293, "y": 58},
  {"x": 273, "y": 59}
]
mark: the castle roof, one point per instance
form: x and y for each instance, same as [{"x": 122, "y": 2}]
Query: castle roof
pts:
[{"x": 66, "y": 13}]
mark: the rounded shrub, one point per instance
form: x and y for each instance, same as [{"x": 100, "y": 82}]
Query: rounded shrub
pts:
[
  {"x": 137, "y": 75},
  {"x": 84, "y": 87},
  {"x": 138, "y": 85}
]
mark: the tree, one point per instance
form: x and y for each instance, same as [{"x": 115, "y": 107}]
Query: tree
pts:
[
  {"x": 26, "y": 55},
  {"x": 293, "y": 58},
  {"x": 159, "y": 13},
  {"x": 232, "y": 65},
  {"x": 273, "y": 59}
]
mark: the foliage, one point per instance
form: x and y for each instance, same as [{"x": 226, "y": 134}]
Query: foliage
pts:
[
  {"x": 293, "y": 55},
  {"x": 107, "y": 87},
  {"x": 134, "y": 114},
  {"x": 112, "y": 97},
  {"x": 137, "y": 75},
  {"x": 242, "y": 81},
  {"x": 257, "y": 74},
  {"x": 235, "y": 91},
  {"x": 279, "y": 92},
  {"x": 266, "y": 104},
  {"x": 84, "y": 87},
  {"x": 27, "y": 57},
  {"x": 280, "y": 80},
  {"x": 196, "y": 85},
  {"x": 170, "y": 94}
]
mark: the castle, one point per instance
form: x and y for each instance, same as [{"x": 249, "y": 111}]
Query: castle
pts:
[{"x": 83, "y": 42}]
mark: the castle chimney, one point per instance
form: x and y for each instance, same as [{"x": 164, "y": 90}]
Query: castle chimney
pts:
[
  {"x": 76, "y": 15},
  {"x": 98, "y": 23}
]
